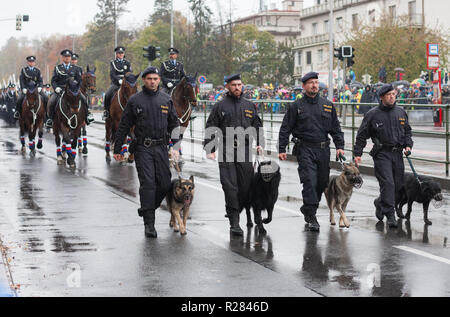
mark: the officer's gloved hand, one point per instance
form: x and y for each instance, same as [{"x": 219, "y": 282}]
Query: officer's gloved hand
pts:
[
  {"x": 170, "y": 85},
  {"x": 24, "y": 91},
  {"x": 120, "y": 82},
  {"x": 39, "y": 89},
  {"x": 58, "y": 90}
]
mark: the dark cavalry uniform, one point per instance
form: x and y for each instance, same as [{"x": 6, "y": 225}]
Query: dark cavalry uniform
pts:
[
  {"x": 61, "y": 75},
  {"x": 28, "y": 75},
  {"x": 171, "y": 73},
  {"x": 118, "y": 69},
  {"x": 155, "y": 119},
  {"x": 311, "y": 120},
  {"x": 235, "y": 176},
  {"x": 389, "y": 128}
]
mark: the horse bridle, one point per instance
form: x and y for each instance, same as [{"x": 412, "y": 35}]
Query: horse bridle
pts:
[
  {"x": 31, "y": 108},
  {"x": 187, "y": 115},
  {"x": 69, "y": 120},
  {"x": 118, "y": 95}
]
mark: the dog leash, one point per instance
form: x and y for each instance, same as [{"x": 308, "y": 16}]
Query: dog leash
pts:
[
  {"x": 412, "y": 167},
  {"x": 341, "y": 159}
]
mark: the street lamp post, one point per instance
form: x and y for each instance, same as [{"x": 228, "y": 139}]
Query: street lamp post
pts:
[{"x": 330, "y": 70}]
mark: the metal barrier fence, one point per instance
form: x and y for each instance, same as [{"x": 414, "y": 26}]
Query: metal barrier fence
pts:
[{"x": 348, "y": 113}]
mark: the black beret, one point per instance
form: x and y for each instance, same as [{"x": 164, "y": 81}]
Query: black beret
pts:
[
  {"x": 66, "y": 53},
  {"x": 385, "y": 89},
  {"x": 309, "y": 76},
  {"x": 31, "y": 58},
  {"x": 75, "y": 56},
  {"x": 230, "y": 78},
  {"x": 120, "y": 49},
  {"x": 173, "y": 50},
  {"x": 151, "y": 70}
]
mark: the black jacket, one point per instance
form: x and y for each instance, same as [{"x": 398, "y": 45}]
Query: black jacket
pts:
[
  {"x": 61, "y": 75},
  {"x": 232, "y": 112},
  {"x": 311, "y": 120},
  {"x": 152, "y": 113},
  {"x": 27, "y": 75},
  {"x": 389, "y": 125},
  {"x": 171, "y": 73},
  {"x": 118, "y": 69}
]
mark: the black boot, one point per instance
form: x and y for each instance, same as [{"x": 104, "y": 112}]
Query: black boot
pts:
[
  {"x": 392, "y": 221},
  {"x": 149, "y": 221},
  {"x": 235, "y": 228},
  {"x": 312, "y": 224},
  {"x": 378, "y": 213}
]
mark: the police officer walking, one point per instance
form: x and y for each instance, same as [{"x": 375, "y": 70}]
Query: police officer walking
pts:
[
  {"x": 172, "y": 72},
  {"x": 389, "y": 128},
  {"x": 28, "y": 75},
  {"x": 235, "y": 163},
  {"x": 61, "y": 74},
  {"x": 118, "y": 69},
  {"x": 310, "y": 120},
  {"x": 155, "y": 118}
]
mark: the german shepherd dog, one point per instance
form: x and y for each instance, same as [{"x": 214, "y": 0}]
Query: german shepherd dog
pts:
[
  {"x": 264, "y": 194},
  {"x": 179, "y": 201},
  {"x": 425, "y": 192},
  {"x": 340, "y": 191}
]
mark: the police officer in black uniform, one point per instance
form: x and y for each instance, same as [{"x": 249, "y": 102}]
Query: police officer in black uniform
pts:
[
  {"x": 310, "y": 120},
  {"x": 389, "y": 128},
  {"x": 74, "y": 61},
  {"x": 172, "y": 72},
  {"x": 235, "y": 161},
  {"x": 61, "y": 75},
  {"x": 11, "y": 97},
  {"x": 27, "y": 75},
  {"x": 118, "y": 68},
  {"x": 153, "y": 114}
]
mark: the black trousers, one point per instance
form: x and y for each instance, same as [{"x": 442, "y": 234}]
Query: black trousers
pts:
[
  {"x": 390, "y": 173},
  {"x": 314, "y": 172},
  {"x": 155, "y": 178},
  {"x": 236, "y": 179},
  {"x": 109, "y": 96}
]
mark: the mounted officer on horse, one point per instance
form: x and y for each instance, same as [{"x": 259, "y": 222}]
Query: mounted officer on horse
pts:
[
  {"x": 119, "y": 67},
  {"x": 61, "y": 76},
  {"x": 172, "y": 72},
  {"x": 28, "y": 75}
]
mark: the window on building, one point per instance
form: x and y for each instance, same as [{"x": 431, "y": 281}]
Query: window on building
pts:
[
  {"x": 392, "y": 12},
  {"x": 412, "y": 10},
  {"x": 326, "y": 27},
  {"x": 339, "y": 24},
  {"x": 355, "y": 21},
  {"x": 372, "y": 17},
  {"x": 299, "y": 56},
  {"x": 320, "y": 56},
  {"x": 314, "y": 28},
  {"x": 308, "y": 58}
]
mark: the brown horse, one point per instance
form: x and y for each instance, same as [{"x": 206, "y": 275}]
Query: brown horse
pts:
[
  {"x": 32, "y": 119},
  {"x": 118, "y": 104},
  {"x": 69, "y": 119},
  {"x": 88, "y": 87},
  {"x": 184, "y": 99}
]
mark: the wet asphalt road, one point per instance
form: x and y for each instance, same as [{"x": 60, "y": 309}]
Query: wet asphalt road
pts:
[{"x": 77, "y": 233}]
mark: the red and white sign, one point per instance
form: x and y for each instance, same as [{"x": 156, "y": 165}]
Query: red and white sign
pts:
[{"x": 433, "y": 62}]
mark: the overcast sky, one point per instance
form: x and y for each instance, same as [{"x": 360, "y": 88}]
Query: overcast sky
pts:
[{"x": 52, "y": 16}]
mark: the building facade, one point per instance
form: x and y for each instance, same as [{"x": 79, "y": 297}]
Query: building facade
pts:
[
  {"x": 283, "y": 24},
  {"x": 311, "y": 49}
]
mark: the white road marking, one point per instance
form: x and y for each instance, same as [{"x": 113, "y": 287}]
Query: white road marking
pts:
[{"x": 424, "y": 254}]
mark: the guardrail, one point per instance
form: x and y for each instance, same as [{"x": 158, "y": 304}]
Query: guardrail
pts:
[{"x": 348, "y": 113}]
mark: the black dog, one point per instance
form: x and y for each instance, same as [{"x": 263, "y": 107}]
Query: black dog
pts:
[
  {"x": 424, "y": 193},
  {"x": 264, "y": 194}
]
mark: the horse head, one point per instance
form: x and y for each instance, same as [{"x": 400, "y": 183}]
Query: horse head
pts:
[
  {"x": 129, "y": 84},
  {"x": 32, "y": 98},
  {"x": 190, "y": 89},
  {"x": 73, "y": 94},
  {"x": 90, "y": 80}
]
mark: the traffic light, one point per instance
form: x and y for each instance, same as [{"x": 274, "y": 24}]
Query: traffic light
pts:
[
  {"x": 347, "y": 51},
  {"x": 338, "y": 53},
  {"x": 19, "y": 22},
  {"x": 152, "y": 53},
  {"x": 350, "y": 60}
]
